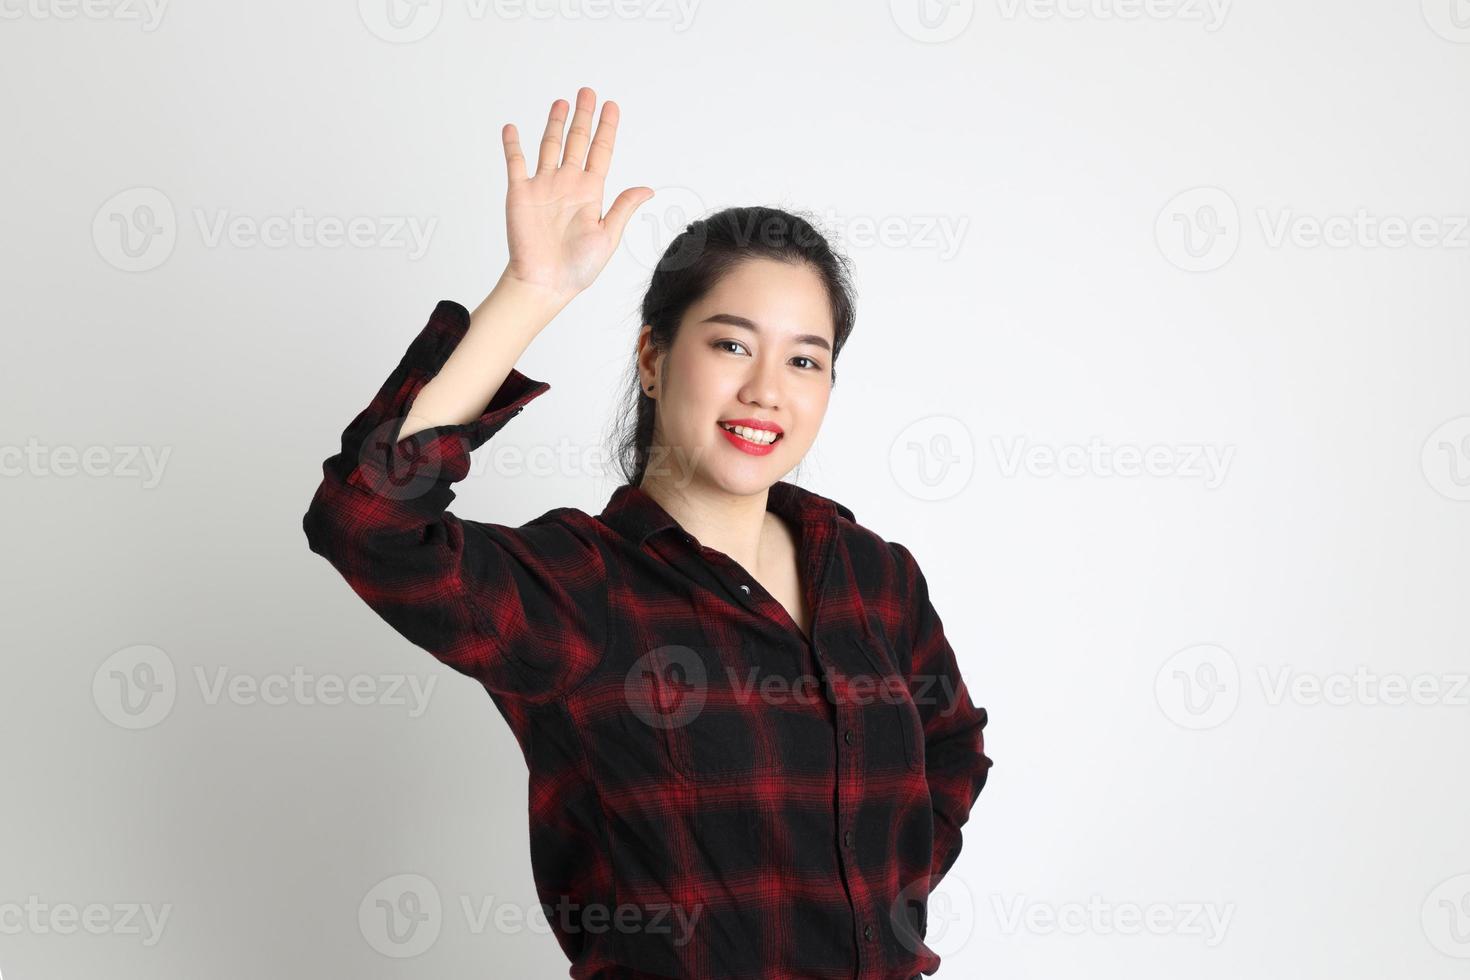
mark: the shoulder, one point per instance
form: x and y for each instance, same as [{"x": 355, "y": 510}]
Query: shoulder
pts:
[
  {"x": 888, "y": 584},
  {"x": 559, "y": 536},
  {"x": 884, "y": 571},
  {"x": 864, "y": 543}
]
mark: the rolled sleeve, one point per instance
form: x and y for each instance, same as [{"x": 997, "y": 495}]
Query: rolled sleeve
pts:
[{"x": 521, "y": 609}]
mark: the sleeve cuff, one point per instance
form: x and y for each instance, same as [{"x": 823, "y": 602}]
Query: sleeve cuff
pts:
[{"x": 409, "y": 467}]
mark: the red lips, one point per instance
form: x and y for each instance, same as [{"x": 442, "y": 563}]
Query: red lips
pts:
[
  {"x": 745, "y": 445},
  {"x": 755, "y": 424}
]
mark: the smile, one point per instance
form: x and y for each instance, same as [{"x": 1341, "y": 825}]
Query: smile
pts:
[{"x": 753, "y": 436}]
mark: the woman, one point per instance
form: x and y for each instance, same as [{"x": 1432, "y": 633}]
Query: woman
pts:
[{"x": 750, "y": 749}]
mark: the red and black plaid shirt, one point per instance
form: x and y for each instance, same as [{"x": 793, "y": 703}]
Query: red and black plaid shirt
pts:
[{"x": 712, "y": 794}]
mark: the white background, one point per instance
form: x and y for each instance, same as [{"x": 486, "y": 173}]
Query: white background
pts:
[{"x": 1097, "y": 230}]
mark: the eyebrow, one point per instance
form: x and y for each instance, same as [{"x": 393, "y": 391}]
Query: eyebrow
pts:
[{"x": 739, "y": 321}]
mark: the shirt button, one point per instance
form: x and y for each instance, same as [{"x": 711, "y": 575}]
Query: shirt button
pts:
[
  {"x": 745, "y": 588},
  {"x": 847, "y": 838},
  {"x": 868, "y": 932},
  {"x": 847, "y": 736}
]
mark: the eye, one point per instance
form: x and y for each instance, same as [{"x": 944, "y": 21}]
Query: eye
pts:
[{"x": 726, "y": 343}]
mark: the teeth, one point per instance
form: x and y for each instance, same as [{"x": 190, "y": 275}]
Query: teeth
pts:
[{"x": 761, "y": 436}]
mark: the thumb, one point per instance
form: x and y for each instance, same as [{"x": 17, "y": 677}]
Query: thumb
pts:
[{"x": 627, "y": 202}]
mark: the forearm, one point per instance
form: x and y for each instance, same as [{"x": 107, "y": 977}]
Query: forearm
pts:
[
  {"x": 501, "y": 328},
  {"x": 521, "y": 609}
]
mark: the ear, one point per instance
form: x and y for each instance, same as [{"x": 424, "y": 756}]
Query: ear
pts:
[{"x": 648, "y": 360}]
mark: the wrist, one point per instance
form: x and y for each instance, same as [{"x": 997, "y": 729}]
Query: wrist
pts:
[{"x": 531, "y": 295}]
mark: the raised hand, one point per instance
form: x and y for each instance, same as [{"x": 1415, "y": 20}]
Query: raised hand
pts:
[{"x": 559, "y": 238}]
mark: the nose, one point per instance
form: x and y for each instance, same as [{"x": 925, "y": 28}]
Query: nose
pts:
[{"x": 762, "y": 385}]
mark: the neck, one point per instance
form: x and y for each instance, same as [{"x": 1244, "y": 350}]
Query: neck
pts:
[{"x": 736, "y": 524}]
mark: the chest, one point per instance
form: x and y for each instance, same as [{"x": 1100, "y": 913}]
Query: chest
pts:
[
  {"x": 710, "y": 683},
  {"x": 782, "y": 578}
]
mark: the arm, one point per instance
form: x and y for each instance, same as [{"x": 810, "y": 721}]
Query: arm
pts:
[
  {"x": 558, "y": 245},
  {"x": 522, "y": 610},
  {"x": 954, "y": 742}
]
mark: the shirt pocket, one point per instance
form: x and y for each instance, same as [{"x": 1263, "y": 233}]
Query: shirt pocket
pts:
[
  {"x": 893, "y": 728},
  {"x": 722, "y": 718}
]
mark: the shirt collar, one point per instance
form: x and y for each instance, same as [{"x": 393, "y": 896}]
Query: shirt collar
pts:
[{"x": 636, "y": 515}]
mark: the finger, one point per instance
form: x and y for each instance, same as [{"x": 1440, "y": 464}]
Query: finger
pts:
[
  {"x": 581, "y": 128},
  {"x": 515, "y": 162},
  {"x": 600, "y": 156},
  {"x": 551, "y": 139},
  {"x": 629, "y": 201}
]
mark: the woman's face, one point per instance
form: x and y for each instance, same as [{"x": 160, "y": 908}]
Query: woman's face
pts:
[{"x": 758, "y": 347}]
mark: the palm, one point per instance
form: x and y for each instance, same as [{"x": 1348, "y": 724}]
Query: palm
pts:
[{"x": 558, "y": 237}]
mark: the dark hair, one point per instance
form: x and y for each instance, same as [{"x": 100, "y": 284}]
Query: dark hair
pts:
[{"x": 695, "y": 261}]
